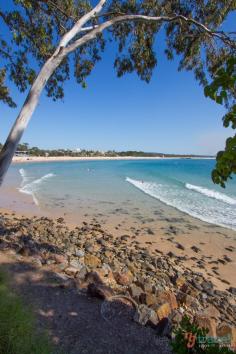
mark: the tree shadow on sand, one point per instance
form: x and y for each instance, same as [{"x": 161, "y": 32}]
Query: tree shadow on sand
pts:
[{"x": 74, "y": 320}]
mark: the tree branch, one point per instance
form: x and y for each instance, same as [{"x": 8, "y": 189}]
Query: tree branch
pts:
[
  {"x": 119, "y": 19},
  {"x": 82, "y": 21}
]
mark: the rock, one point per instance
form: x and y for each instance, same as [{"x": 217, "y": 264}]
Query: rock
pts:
[
  {"x": 71, "y": 271},
  {"x": 162, "y": 310},
  {"x": 92, "y": 261},
  {"x": 99, "y": 290},
  {"x": 190, "y": 290},
  {"x": 124, "y": 278},
  {"x": 171, "y": 254},
  {"x": 145, "y": 284},
  {"x": 76, "y": 264},
  {"x": 226, "y": 330},
  {"x": 144, "y": 315},
  {"x": 81, "y": 274},
  {"x": 93, "y": 277},
  {"x": 196, "y": 285},
  {"x": 195, "y": 249},
  {"x": 79, "y": 253},
  {"x": 188, "y": 300},
  {"x": 232, "y": 290},
  {"x": 179, "y": 281},
  {"x": 37, "y": 261},
  {"x": 176, "y": 316},
  {"x": 207, "y": 285},
  {"x": 147, "y": 299},
  {"x": 212, "y": 312},
  {"x": 206, "y": 322},
  {"x": 25, "y": 251},
  {"x": 60, "y": 259},
  {"x": 181, "y": 247},
  {"x": 135, "y": 292},
  {"x": 124, "y": 237},
  {"x": 169, "y": 297}
]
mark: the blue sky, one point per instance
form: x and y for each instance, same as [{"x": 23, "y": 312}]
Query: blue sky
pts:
[{"x": 170, "y": 114}]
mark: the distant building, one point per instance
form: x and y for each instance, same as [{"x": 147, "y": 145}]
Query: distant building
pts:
[
  {"x": 21, "y": 153},
  {"x": 77, "y": 150}
]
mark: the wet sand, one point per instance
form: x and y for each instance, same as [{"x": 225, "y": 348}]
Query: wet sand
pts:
[{"x": 197, "y": 245}]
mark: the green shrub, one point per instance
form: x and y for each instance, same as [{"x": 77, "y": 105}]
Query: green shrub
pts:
[
  {"x": 188, "y": 332},
  {"x": 18, "y": 333}
]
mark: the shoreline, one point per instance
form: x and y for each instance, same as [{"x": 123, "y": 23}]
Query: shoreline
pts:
[
  {"x": 205, "y": 248},
  {"x": 27, "y": 159},
  {"x": 200, "y": 246}
]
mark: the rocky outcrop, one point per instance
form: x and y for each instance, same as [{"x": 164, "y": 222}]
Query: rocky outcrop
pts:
[{"x": 104, "y": 266}]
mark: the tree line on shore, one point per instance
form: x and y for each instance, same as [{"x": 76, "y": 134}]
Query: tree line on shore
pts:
[{"x": 35, "y": 151}]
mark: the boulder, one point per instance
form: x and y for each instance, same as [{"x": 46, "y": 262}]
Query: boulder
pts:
[
  {"x": 60, "y": 259},
  {"x": 232, "y": 290},
  {"x": 71, "y": 271},
  {"x": 99, "y": 290},
  {"x": 92, "y": 261},
  {"x": 145, "y": 314},
  {"x": 147, "y": 299},
  {"x": 162, "y": 310},
  {"x": 169, "y": 297},
  {"x": 206, "y": 322},
  {"x": 212, "y": 312},
  {"x": 123, "y": 278},
  {"x": 135, "y": 292},
  {"x": 179, "y": 281},
  {"x": 226, "y": 330}
]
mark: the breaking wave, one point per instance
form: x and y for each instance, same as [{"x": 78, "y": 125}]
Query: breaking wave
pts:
[
  {"x": 211, "y": 193},
  {"x": 213, "y": 208},
  {"x": 29, "y": 186}
]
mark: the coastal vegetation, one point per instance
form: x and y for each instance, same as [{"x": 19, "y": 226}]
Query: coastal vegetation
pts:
[
  {"x": 17, "y": 325},
  {"x": 46, "y": 37},
  {"x": 190, "y": 337},
  {"x": 223, "y": 91},
  {"x": 25, "y": 149}
]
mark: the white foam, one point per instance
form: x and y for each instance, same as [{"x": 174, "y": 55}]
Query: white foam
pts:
[
  {"x": 30, "y": 188},
  {"x": 188, "y": 202},
  {"x": 25, "y": 178},
  {"x": 211, "y": 194}
]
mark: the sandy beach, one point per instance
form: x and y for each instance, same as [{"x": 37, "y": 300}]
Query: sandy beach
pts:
[
  {"x": 24, "y": 159},
  {"x": 202, "y": 247}
]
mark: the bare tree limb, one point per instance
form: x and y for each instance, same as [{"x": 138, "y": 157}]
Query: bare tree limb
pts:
[
  {"x": 79, "y": 24},
  {"x": 119, "y": 19}
]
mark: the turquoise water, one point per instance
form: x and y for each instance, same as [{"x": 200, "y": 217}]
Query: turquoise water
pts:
[{"x": 182, "y": 184}]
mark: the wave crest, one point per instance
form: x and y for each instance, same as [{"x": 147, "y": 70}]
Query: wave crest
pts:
[
  {"x": 31, "y": 188},
  {"x": 190, "y": 203},
  {"x": 211, "y": 193}
]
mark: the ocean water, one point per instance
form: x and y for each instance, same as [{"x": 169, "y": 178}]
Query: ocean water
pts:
[{"x": 182, "y": 184}]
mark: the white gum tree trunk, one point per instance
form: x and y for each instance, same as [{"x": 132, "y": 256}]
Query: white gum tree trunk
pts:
[{"x": 26, "y": 112}]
